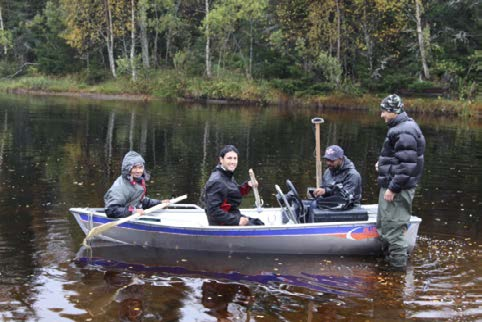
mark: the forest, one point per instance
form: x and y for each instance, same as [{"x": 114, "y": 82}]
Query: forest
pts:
[{"x": 244, "y": 48}]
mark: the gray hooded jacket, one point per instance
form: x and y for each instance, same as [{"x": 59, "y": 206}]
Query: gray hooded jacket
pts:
[{"x": 126, "y": 193}]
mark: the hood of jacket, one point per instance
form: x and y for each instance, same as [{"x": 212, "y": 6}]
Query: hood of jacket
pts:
[{"x": 130, "y": 159}]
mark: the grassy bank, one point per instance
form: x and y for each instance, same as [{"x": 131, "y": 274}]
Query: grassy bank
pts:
[{"x": 170, "y": 85}]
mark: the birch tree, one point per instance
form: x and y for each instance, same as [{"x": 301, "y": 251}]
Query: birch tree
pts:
[
  {"x": 207, "y": 51},
  {"x": 235, "y": 19},
  {"x": 5, "y": 35},
  {"x": 143, "y": 6},
  {"x": 133, "y": 40},
  {"x": 421, "y": 38},
  {"x": 93, "y": 22}
]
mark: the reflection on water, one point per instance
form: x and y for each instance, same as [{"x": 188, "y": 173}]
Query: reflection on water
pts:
[{"x": 57, "y": 153}]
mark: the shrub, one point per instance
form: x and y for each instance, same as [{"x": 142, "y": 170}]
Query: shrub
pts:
[{"x": 420, "y": 86}]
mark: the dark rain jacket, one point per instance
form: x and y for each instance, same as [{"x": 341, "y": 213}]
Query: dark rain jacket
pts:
[
  {"x": 222, "y": 197},
  {"x": 126, "y": 193},
  {"x": 344, "y": 181},
  {"x": 400, "y": 163}
]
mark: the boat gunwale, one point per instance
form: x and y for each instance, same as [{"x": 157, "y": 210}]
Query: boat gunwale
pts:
[{"x": 303, "y": 226}]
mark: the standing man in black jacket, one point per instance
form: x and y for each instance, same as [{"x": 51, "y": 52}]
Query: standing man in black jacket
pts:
[{"x": 399, "y": 167}]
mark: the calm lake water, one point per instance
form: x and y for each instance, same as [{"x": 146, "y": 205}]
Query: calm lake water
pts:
[{"x": 57, "y": 153}]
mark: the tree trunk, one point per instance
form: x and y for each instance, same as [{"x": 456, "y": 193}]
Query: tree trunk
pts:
[
  {"x": 133, "y": 40},
  {"x": 110, "y": 38},
  {"x": 250, "y": 66},
  {"x": 338, "y": 30},
  {"x": 169, "y": 33},
  {"x": 155, "y": 60},
  {"x": 144, "y": 39},
  {"x": 2, "y": 29},
  {"x": 368, "y": 40},
  {"x": 421, "y": 41},
  {"x": 208, "y": 58}
]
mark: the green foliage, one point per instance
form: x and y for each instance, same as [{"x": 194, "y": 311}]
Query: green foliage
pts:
[
  {"x": 180, "y": 59},
  {"x": 124, "y": 67},
  {"x": 291, "y": 42},
  {"x": 288, "y": 86},
  {"x": 420, "y": 86},
  {"x": 329, "y": 67},
  {"x": 5, "y": 39},
  {"x": 93, "y": 75},
  {"x": 53, "y": 55},
  {"x": 389, "y": 83},
  {"x": 7, "y": 68},
  {"x": 169, "y": 85}
]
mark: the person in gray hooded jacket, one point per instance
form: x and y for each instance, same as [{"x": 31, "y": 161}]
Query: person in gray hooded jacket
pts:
[{"x": 127, "y": 195}]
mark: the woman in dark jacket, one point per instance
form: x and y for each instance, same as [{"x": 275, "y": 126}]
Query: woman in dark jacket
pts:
[{"x": 223, "y": 195}]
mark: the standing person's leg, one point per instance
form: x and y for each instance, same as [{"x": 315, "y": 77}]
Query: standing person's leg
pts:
[
  {"x": 382, "y": 216},
  {"x": 395, "y": 224}
]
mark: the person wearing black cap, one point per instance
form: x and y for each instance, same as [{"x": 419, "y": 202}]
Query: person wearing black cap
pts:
[
  {"x": 223, "y": 195},
  {"x": 341, "y": 181},
  {"x": 399, "y": 168}
]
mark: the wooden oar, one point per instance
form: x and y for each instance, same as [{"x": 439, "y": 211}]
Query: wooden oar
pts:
[
  {"x": 257, "y": 198},
  {"x": 102, "y": 228}
]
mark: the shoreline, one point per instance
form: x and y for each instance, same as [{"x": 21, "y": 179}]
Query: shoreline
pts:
[{"x": 441, "y": 107}]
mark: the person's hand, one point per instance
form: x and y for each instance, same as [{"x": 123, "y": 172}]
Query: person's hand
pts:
[
  {"x": 319, "y": 192},
  {"x": 165, "y": 201},
  {"x": 389, "y": 195},
  {"x": 253, "y": 184},
  {"x": 243, "y": 221},
  {"x": 139, "y": 211},
  {"x": 376, "y": 166}
]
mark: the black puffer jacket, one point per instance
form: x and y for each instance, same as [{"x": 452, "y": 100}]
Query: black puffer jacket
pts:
[
  {"x": 222, "y": 197},
  {"x": 346, "y": 177},
  {"x": 400, "y": 163},
  {"x": 127, "y": 193}
]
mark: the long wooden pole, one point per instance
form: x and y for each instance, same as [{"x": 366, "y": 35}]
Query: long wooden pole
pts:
[
  {"x": 102, "y": 228},
  {"x": 317, "y": 121}
]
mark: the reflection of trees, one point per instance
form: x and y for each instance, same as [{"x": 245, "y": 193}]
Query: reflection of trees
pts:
[
  {"x": 131, "y": 130},
  {"x": 108, "y": 143},
  {"x": 116, "y": 295},
  {"x": 216, "y": 297},
  {"x": 3, "y": 139},
  {"x": 145, "y": 126},
  {"x": 203, "y": 169}
]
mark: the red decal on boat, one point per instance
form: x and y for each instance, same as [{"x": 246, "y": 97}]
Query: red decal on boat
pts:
[{"x": 366, "y": 233}]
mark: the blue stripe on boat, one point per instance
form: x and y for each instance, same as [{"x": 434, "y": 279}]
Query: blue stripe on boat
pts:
[{"x": 206, "y": 232}]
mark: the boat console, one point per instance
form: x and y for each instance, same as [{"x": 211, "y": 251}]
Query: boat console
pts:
[{"x": 307, "y": 210}]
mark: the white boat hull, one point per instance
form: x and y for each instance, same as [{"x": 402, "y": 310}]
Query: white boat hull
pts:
[{"x": 188, "y": 229}]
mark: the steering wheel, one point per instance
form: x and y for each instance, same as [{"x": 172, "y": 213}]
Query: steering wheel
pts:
[
  {"x": 294, "y": 197},
  {"x": 284, "y": 203}
]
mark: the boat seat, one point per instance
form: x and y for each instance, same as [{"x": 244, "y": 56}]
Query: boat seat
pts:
[{"x": 315, "y": 214}]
